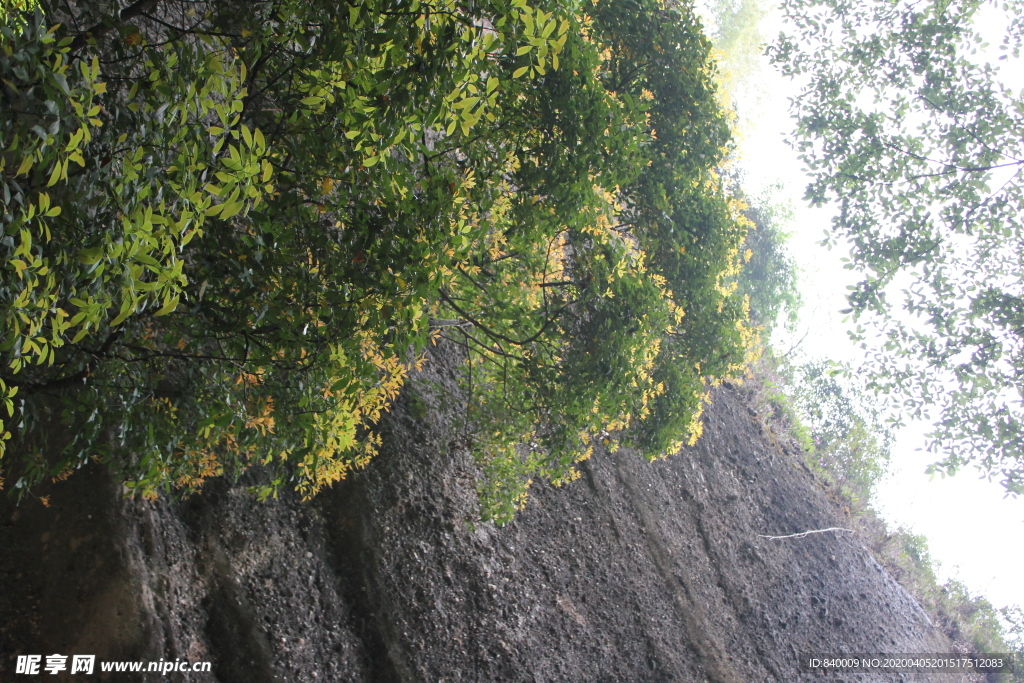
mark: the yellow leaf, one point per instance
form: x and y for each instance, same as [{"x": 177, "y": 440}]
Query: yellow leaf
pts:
[{"x": 75, "y": 139}]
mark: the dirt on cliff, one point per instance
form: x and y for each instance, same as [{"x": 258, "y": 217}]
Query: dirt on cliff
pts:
[{"x": 636, "y": 572}]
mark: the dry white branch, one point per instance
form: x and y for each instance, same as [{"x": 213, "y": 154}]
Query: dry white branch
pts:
[{"x": 806, "y": 533}]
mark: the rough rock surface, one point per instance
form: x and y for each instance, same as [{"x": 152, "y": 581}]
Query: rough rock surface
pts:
[{"x": 635, "y": 572}]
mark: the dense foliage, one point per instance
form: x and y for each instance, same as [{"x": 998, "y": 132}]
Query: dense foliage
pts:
[
  {"x": 915, "y": 139},
  {"x": 230, "y": 229}
]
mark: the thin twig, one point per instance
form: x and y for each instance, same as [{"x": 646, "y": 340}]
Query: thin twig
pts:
[{"x": 450, "y": 323}]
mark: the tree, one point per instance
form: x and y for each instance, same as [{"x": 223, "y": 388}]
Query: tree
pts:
[
  {"x": 234, "y": 127},
  {"x": 909, "y": 132},
  {"x": 849, "y": 437},
  {"x": 623, "y": 317},
  {"x": 232, "y": 228},
  {"x": 831, "y": 417},
  {"x": 769, "y": 276},
  {"x": 735, "y": 32}
]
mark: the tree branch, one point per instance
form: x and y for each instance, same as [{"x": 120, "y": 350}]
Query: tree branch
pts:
[{"x": 101, "y": 29}]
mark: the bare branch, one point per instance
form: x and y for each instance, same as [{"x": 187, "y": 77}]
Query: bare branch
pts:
[{"x": 806, "y": 533}]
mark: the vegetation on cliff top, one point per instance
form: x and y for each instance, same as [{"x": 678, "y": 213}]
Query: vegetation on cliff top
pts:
[{"x": 230, "y": 229}]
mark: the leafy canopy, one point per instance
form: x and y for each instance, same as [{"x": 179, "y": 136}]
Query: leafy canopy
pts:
[
  {"x": 231, "y": 230},
  {"x": 912, "y": 136}
]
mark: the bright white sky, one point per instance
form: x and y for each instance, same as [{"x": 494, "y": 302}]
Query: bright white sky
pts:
[{"x": 973, "y": 532}]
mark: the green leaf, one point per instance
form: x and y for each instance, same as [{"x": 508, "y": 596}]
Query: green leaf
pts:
[
  {"x": 91, "y": 255},
  {"x": 230, "y": 209},
  {"x": 121, "y": 317},
  {"x": 170, "y": 303}
]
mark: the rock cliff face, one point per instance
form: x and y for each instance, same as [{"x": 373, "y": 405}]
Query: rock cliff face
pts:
[{"x": 635, "y": 572}]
